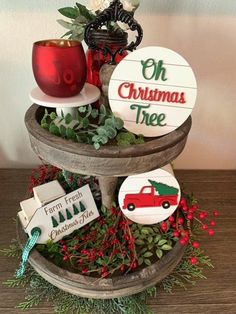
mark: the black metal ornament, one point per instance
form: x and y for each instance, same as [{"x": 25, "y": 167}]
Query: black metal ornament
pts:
[{"x": 114, "y": 13}]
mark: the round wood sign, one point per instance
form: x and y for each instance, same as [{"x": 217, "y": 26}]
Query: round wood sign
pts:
[
  {"x": 153, "y": 90},
  {"x": 150, "y": 197}
]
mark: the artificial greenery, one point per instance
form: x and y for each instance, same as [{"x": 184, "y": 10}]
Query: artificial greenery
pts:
[
  {"x": 39, "y": 290},
  {"x": 80, "y": 16},
  {"x": 92, "y": 126}
]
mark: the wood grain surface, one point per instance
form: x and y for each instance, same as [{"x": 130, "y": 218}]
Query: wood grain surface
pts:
[
  {"x": 217, "y": 294},
  {"x": 109, "y": 160}
]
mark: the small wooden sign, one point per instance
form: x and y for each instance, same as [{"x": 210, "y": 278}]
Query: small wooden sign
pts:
[
  {"x": 149, "y": 198},
  {"x": 153, "y": 90},
  {"x": 63, "y": 216}
]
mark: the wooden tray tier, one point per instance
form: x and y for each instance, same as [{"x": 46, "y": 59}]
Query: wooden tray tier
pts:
[
  {"x": 100, "y": 288},
  {"x": 109, "y": 161}
]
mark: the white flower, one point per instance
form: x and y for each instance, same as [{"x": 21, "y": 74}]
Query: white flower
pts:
[
  {"x": 130, "y": 5},
  {"x": 99, "y": 5}
]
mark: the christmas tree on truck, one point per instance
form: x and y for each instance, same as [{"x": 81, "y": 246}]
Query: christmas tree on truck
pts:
[{"x": 164, "y": 189}]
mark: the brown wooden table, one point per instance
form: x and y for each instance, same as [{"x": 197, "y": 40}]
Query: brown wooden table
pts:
[{"x": 214, "y": 189}]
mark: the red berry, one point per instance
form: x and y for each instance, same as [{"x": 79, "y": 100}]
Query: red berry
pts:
[
  {"x": 105, "y": 274},
  {"x": 122, "y": 268},
  {"x": 202, "y": 216},
  {"x": 85, "y": 270},
  {"x": 211, "y": 232},
  {"x": 176, "y": 234},
  {"x": 180, "y": 221},
  {"x": 164, "y": 226},
  {"x": 185, "y": 208},
  {"x": 194, "y": 260},
  {"x": 196, "y": 245},
  {"x": 213, "y": 223},
  {"x": 216, "y": 213},
  {"x": 190, "y": 216},
  {"x": 183, "y": 202},
  {"x": 191, "y": 211},
  {"x": 171, "y": 219},
  {"x": 65, "y": 248},
  {"x": 65, "y": 258},
  {"x": 184, "y": 241},
  {"x": 205, "y": 227},
  {"x": 195, "y": 207},
  {"x": 134, "y": 265}
]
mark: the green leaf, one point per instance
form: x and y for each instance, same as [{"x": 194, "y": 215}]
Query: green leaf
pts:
[
  {"x": 147, "y": 262},
  {"x": 161, "y": 242},
  {"x": 150, "y": 239},
  {"x": 45, "y": 126},
  {"x": 63, "y": 131},
  {"x": 145, "y": 231},
  {"x": 166, "y": 247},
  {"x": 150, "y": 246},
  {"x": 148, "y": 254},
  {"x": 140, "y": 261},
  {"x": 94, "y": 113},
  {"x": 102, "y": 131},
  {"x": 89, "y": 110},
  {"x": 159, "y": 253},
  {"x": 54, "y": 129},
  {"x": 65, "y": 24},
  {"x": 85, "y": 122},
  {"x": 119, "y": 123},
  {"x": 53, "y": 115},
  {"x": 97, "y": 145},
  {"x": 157, "y": 238},
  {"x": 69, "y": 12},
  {"x": 139, "y": 242},
  {"x": 82, "y": 109},
  {"x": 65, "y": 35},
  {"x": 111, "y": 132},
  {"x": 68, "y": 118},
  {"x": 70, "y": 133},
  {"x": 85, "y": 12},
  {"x": 103, "y": 110}
]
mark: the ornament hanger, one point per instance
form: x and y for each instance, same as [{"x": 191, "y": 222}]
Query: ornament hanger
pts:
[{"x": 114, "y": 13}]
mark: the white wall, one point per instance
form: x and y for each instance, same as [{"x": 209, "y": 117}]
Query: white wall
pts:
[{"x": 203, "y": 31}]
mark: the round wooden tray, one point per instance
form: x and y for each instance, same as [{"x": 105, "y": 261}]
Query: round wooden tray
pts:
[
  {"x": 109, "y": 161},
  {"x": 96, "y": 288}
]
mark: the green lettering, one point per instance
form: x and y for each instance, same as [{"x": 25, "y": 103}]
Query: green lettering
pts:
[
  {"x": 161, "y": 118},
  {"x": 139, "y": 107},
  {"x": 153, "y": 70}
]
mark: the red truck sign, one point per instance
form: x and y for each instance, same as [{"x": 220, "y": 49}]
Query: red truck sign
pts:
[{"x": 148, "y": 197}]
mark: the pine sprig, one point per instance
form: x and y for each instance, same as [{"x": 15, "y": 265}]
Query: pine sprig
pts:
[
  {"x": 14, "y": 249},
  {"x": 186, "y": 273}
]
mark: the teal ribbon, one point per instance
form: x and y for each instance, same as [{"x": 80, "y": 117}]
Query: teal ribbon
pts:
[{"x": 35, "y": 234}]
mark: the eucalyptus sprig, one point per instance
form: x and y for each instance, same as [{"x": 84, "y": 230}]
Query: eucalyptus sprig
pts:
[{"x": 92, "y": 126}]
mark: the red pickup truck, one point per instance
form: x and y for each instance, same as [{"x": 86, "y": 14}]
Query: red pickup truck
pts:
[{"x": 148, "y": 197}]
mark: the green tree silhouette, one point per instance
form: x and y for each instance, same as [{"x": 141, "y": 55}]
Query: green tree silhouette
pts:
[{"x": 164, "y": 189}]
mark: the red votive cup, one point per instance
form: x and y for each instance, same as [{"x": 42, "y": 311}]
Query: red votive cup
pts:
[{"x": 59, "y": 67}]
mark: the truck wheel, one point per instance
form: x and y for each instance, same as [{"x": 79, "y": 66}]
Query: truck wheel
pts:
[
  {"x": 166, "y": 205},
  {"x": 131, "y": 207}
]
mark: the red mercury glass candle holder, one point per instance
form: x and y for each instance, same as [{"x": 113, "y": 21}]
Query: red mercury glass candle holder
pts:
[{"x": 59, "y": 67}]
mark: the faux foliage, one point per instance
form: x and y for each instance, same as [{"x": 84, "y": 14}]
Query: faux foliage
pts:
[
  {"x": 92, "y": 126},
  {"x": 39, "y": 290}
]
